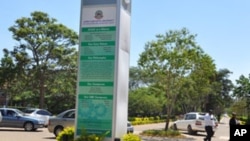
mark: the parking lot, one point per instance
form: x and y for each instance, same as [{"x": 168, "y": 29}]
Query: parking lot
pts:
[{"x": 14, "y": 134}]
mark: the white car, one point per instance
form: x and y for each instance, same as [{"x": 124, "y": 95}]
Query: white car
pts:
[{"x": 192, "y": 122}]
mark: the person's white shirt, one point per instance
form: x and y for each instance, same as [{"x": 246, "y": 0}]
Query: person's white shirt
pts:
[{"x": 208, "y": 119}]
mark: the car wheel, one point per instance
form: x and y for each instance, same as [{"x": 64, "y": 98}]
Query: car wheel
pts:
[
  {"x": 57, "y": 130},
  {"x": 28, "y": 126},
  {"x": 175, "y": 127},
  {"x": 189, "y": 129}
]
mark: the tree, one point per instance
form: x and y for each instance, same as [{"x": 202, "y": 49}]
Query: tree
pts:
[
  {"x": 242, "y": 87},
  {"x": 134, "y": 78},
  {"x": 142, "y": 102},
  {"x": 169, "y": 60},
  {"x": 223, "y": 88},
  {"x": 45, "y": 47},
  {"x": 137, "y": 79},
  {"x": 7, "y": 76},
  {"x": 242, "y": 92}
]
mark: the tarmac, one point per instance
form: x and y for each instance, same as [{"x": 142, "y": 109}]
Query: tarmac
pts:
[{"x": 224, "y": 120}]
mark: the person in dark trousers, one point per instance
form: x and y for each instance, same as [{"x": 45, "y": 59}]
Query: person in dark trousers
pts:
[
  {"x": 233, "y": 120},
  {"x": 209, "y": 124},
  {"x": 219, "y": 117}
]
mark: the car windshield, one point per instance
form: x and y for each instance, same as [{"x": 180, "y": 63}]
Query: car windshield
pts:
[
  {"x": 19, "y": 112},
  {"x": 129, "y": 124},
  {"x": 63, "y": 113},
  {"x": 29, "y": 111}
]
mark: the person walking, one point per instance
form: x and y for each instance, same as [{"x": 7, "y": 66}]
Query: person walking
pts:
[
  {"x": 233, "y": 120},
  {"x": 209, "y": 124}
]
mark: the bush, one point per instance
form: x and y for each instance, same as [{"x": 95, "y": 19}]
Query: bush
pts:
[
  {"x": 91, "y": 137},
  {"x": 131, "y": 137},
  {"x": 162, "y": 133},
  {"x": 66, "y": 135}
]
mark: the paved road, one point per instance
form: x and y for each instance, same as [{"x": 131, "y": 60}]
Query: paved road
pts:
[
  {"x": 222, "y": 133},
  {"x": 11, "y": 134},
  {"x": 8, "y": 134}
]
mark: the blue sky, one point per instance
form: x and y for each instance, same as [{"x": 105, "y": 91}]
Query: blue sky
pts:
[{"x": 222, "y": 26}]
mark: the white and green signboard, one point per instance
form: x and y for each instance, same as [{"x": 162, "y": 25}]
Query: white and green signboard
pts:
[{"x": 100, "y": 98}]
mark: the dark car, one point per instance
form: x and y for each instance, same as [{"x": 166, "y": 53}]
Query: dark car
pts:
[{"x": 15, "y": 118}]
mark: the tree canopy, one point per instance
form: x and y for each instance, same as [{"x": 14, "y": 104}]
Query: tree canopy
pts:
[
  {"x": 180, "y": 70},
  {"x": 44, "y": 58}
]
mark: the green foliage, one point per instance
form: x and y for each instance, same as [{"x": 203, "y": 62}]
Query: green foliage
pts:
[
  {"x": 162, "y": 133},
  {"x": 242, "y": 91},
  {"x": 143, "y": 103},
  {"x": 239, "y": 106},
  {"x": 131, "y": 137},
  {"x": 91, "y": 137},
  {"x": 67, "y": 134},
  {"x": 243, "y": 120},
  {"x": 44, "y": 63},
  {"x": 180, "y": 73},
  {"x": 145, "y": 120},
  {"x": 243, "y": 87}
]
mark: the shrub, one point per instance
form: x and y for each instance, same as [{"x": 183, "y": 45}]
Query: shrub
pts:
[
  {"x": 131, "y": 137},
  {"x": 162, "y": 133},
  {"x": 66, "y": 135},
  {"x": 91, "y": 137}
]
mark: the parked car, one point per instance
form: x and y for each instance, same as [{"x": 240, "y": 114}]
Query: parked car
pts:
[
  {"x": 130, "y": 128},
  {"x": 67, "y": 119},
  {"x": 62, "y": 120},
  {"x": 192, "y": 122},
  {"x": 15, "y": 118},
  {"x": 39, "y": 113},
  {"x": 1, "y": 117}
]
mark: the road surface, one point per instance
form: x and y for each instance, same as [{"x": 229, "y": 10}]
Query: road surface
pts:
[{"x": 11, "y": 134}]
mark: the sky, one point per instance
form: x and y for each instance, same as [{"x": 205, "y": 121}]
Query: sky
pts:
[{"x": 222, "y": 26}]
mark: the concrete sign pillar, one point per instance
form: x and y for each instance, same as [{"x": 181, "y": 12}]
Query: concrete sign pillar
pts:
[{"x": 103, "y": 68}]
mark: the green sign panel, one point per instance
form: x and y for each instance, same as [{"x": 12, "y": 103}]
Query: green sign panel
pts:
[{"x": 96, "y": 73}]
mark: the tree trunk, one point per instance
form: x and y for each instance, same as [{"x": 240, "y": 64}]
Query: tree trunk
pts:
[
  {"x": 42, "y": 89},
  {"x": 167, "y": 123},
  {"x": 41, "y": 100}
]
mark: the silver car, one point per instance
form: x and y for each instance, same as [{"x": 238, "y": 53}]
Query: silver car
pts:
[
  {"x": 130, "y": 128},
  {"x": 39, "y": 113},
  {"x": 62, "y": 120},
  {"x": 15, "y": 118},
  {"x": 67, "y": 119},
  {"x": 1, "y": 117}
]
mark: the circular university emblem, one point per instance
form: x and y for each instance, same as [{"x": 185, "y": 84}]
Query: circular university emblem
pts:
[{"x": 98, "y": 14}]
